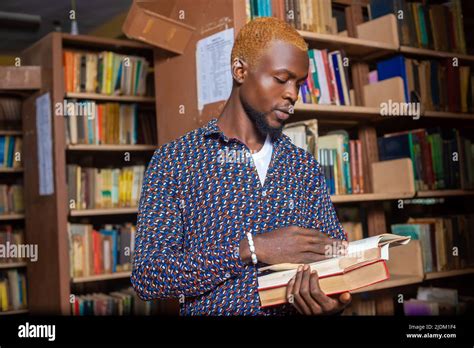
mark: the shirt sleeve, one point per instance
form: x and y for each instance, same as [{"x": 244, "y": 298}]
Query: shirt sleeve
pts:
[
  {"x": 162, "y": 267},
  {"x": 323, "y": 215}
]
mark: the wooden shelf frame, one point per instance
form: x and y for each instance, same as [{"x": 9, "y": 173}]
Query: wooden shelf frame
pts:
[
  {"x": 106, "y": 97},
  {"x": 110, "y": 147},
  {"x": 105, "y": 211},
  {"x": 101, "y": 277}
]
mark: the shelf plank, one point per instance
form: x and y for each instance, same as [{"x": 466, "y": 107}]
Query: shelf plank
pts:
[
  {"x": 102, "y": 42},
  {"x": 101, "y": 277},
  {"x": 354, "y": 47},
  {"x": 13, "y": 312},
  {"x": 433, "y": 53},
  {"x": 448, "y": 115},
  {"x": 443, "y": 193},
  {"x": 11, "y": 132},
  {"x": 342, "y": 111},
  {"x": 12, "y": 216},
  {"x": 367, "y": 197},
  {"x": 394, "y": 281},
  {"x": 117, "y": 98},
  {"x": 105, "y": 211},
  {"x": 11, "y": 170},
  {"x": 110, "y": 147},
  {"x": 451, "y": 273},
  {"x": 12, "y": 265}
]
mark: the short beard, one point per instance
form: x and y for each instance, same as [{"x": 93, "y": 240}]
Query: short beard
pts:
[{"x": 258, "y": 119}]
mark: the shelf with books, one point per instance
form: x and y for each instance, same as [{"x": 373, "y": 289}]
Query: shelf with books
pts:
[
  {"x": 4, "y": 132},
  {"x": 426, "y": 52},
  {"x": 105, "y": 211},
  {"x": 105, "y": 97},
  {"x": 450, "y": 273},
  {"x": 109, "y": 147},
  {"x": 5, "y": 265},
  {"x": 342, "y": 111},
  {"x": 11, "y": 170},
  {"x": 444, "y": 193},
  {"x": 353, "y": 47},
  {"x": 101, "y": 277}
]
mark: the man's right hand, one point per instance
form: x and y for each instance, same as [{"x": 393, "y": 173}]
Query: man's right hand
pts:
[{"x": 292, "y": 244}]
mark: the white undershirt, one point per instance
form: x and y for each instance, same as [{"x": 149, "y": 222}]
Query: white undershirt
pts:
[{"x": 262, "y": 159}]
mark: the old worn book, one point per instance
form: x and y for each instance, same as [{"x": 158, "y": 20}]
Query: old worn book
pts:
[{"x": 363, "y": 265}]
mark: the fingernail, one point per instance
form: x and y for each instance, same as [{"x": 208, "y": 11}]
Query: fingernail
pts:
[
  {"x": 300, "y": 268},
  {"x": 306, "y": 267}
]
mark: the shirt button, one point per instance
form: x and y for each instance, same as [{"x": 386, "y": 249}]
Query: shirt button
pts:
[
  {"x": 227, "y": 275},
  {"x": 291, "y": 203},
  {"x": 264, "y": 193}
]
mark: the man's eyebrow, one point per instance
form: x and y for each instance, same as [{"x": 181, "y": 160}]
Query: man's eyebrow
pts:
[{"x": 290, "y": 73}]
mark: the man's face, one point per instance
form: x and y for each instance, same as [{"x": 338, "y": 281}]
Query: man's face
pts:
[{"x": 271, "y": 88}]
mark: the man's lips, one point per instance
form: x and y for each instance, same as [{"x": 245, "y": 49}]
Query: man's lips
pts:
[{"x": 282, "y": 115}]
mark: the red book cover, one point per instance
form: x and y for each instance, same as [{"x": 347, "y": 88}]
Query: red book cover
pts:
[{"x": 329, "y": 76}]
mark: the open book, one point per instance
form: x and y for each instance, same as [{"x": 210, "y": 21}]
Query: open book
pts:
[{"x": 363, "y": 265}]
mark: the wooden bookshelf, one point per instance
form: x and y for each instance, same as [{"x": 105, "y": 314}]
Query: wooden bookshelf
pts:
[
  {"x": 444, "y": 193},
  {"x": 11, "y": 132},
  {"x": 321, "y": 111},
  {"x": 49, "y": 215},
  {"x": 11, "y": 170},
  {"x": 107, "y": 211},
  {"x": 115, "y": 98},
  {"x": 107, "y": 147},
  {"x": 101, "y": 277}
]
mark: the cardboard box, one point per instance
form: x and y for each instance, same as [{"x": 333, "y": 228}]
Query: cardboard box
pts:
[
  {"x": 152, "y": 22},
  {"x": 394, "y": 176}
]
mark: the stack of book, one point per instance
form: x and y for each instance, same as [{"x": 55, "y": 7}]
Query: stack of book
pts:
[
  {"x": 10, "y": 151},
  {"x": 110, "y": 123},
  {"x": 446, "y": 242},
  {"x": 340, "y": 158},
  {"x": 360, "y": 306},
  {"x": 11, "y": 199},
  {"x": 328, "y": 79},
  {"x": 100, "y": 251},
  {"x": 443, "y": 158},
  {"x": 122, "y": 302},
  {"x": 438, "y": 85},
  {"x": 105, "y": 73},
  {"x": 90, "y": 188},
  {"x": 310, "y": 15},
  {"x": 363, "y": 265},
  {"x": 10, "y": 236},
  {"x": 13, "y": 294},
  {"x": 437, "y": 26}
]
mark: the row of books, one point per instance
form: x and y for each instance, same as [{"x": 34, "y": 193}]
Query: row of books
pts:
[
  {"x": 13, "y": 294},
  {"x": 104, "y": 72},
  {"x": 10, "y": 151},
  {"x": 339, "y": 157},
  {"x": 443, "y": 158},
  {"x": 100, "y": 251},
  {"x": 309, "y": 15},
  {"x": 110, "y": 123},
  {"x": 10, "y": 236},
  {"x": 361, "y": 306},
  {"x": 10, "y": 112},
  {"x": 90, "y": 187},
  {"x": 446, "y": 242},
  {"x": 438, "y": 301},
  {"x": 328, "y": 79},
  {"x": 437, "y": 26},
  {"x": 121, "y": 302},
  {"x": 11, "y": 199},
  {"x": 438, "y": 85}
]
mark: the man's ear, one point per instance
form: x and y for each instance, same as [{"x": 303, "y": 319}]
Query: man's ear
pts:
[{"x": 239, "y": 70}]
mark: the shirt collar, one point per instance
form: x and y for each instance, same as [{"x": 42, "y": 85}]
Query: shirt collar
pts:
[{"x": 212, "y": 128}]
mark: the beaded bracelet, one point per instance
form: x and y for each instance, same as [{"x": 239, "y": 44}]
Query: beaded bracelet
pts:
[{"x": 252, "y": 248}]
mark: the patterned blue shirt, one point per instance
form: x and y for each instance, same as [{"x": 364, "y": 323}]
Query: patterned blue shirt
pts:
[{"x": 201, "y": 195}]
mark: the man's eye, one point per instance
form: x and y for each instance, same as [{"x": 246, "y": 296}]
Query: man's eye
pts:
[{"x": 280, "y": 80}]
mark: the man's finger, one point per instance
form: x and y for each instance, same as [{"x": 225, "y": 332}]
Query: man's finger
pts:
[
  {"x": 305, "y": 292},
  {"x": 326, "y": 303},
  {"x": 296, "y": 292},
  {"x": 290, "y": 294}
]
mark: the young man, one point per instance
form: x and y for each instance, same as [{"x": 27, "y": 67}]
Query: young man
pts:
[{"x": 239, "y": 182}]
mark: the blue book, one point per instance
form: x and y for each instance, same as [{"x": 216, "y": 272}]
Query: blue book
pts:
[
  {"x": 392, "y": 67},
  {"x": 2, "y": 150},
  {"x": 11, "y": 145},
  {"x": 268, "y": 7},
  {"x": 337, "y": 76},
  {"x": 394, "y": 147},
  {"x": 113, "y": 234}
]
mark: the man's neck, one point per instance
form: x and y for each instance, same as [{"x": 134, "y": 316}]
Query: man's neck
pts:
[{"x": 234, "y": 123}]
